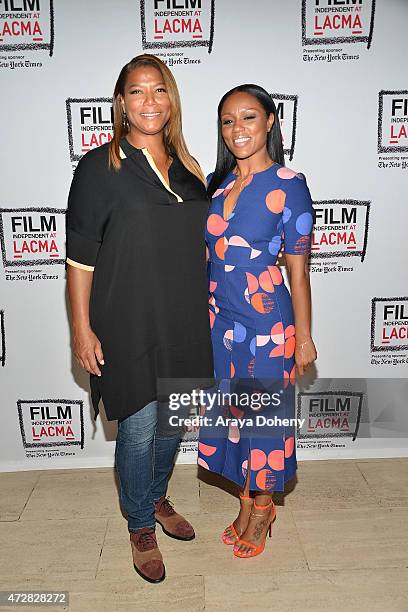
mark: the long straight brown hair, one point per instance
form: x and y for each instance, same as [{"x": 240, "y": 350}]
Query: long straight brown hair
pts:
[{"x": 173, "y": 133}]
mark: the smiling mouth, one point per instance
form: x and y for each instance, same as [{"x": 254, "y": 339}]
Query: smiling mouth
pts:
[
  {"x": 150, "y": 115},
  {"x": 241, "y": 141}
]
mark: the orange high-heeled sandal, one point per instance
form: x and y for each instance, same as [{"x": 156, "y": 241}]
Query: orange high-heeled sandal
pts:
[
  {"x": 256, "y": 550},
  {"x": 232, "y": 539}
]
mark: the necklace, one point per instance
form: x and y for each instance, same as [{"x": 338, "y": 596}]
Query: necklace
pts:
[{"x": 243, "y": 180}]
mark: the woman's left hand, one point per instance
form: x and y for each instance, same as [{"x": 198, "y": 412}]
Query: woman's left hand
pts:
[{"x": 305, "y": 354}]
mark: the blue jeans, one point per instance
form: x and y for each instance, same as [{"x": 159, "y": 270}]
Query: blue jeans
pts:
[{"x": 145, "y": 451}]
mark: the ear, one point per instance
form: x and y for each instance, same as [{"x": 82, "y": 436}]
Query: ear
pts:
[
  {"x": 270, "y": 122},
  {"x": 122, "y": 103}
]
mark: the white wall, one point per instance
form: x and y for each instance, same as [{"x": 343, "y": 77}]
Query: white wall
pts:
[{"x": 336, "y": 86}]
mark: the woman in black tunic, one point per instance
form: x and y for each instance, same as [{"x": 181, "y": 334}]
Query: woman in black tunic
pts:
[{"x": 138, "y": 290}]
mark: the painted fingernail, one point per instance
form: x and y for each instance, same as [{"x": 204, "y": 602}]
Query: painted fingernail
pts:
[{"x": 102, "y": 362}]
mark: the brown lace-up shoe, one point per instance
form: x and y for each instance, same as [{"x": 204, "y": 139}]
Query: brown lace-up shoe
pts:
[
  {"x": 147, "y": 558},
  {"x": 172, "y": 523}
]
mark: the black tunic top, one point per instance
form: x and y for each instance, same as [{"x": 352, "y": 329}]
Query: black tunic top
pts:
[{"x": 144, "y": 240}]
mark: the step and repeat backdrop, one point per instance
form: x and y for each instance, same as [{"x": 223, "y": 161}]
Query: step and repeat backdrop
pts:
[{"x": 336, "y": 69}]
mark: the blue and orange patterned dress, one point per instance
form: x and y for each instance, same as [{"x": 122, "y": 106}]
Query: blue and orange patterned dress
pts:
[{"x": 251, "y": 315}]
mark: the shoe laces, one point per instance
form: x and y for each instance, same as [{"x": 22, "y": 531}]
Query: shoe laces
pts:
[
  {"x": 146, "y": 540},
  {"x": 166, "y": 507}
]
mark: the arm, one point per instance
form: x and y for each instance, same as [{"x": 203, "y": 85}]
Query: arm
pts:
[
  {"x": 86, "y": 346},
  {"x": 208, "y": 180},
  {"x": 298, "y": 224},
  {"x": 87, "y": 214},
  {"x": 298, "y": 272}
]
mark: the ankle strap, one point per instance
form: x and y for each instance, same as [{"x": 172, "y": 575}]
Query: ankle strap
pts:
[{"x": 263, "y": 507}]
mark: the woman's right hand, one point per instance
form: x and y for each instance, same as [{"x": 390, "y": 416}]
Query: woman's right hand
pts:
[{"x": 88, "y": 350}]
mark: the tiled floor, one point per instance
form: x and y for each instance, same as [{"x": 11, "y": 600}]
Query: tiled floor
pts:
[{"x": 340, "y": 543}]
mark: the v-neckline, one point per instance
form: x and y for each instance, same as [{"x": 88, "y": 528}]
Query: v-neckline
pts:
[
  {"x": 149, "y": 158},
  {"x": 160, "y": 176},
  {"x": 233, "y": 211},
  {"x": 234, "y": 178}
]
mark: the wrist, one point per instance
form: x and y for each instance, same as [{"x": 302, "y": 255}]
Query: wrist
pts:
[
  {"x": 302, "y": 345},
  {"x": 81, "y": 326},
  {"x": 302, "y": 338}
]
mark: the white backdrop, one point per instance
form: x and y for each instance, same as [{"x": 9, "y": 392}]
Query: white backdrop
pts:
[{"x": 337, "y": 73}]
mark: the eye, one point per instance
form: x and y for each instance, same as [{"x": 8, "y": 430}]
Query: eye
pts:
[
  {"x": 226, "y": 121},
  {"x": 135, "y": 91},
  {"x": 161, "y": 90},
  {"x": 250, "y": 117}
]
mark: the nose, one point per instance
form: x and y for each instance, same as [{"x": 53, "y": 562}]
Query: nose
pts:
[
  {"x": 149, "y": 97},
  {"x": 237, "y": 127}
]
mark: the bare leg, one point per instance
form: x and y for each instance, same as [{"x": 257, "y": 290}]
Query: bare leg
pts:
[
  {"x": 258, "y": 523},
  {"x": 241, "y": 522},
  {"x": 245, "y": 490},
  {"x": 262, "y": 498}
]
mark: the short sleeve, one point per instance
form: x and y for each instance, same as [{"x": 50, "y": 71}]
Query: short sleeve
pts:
[
  {"x": 298, "y": 214},
  {"x": 87, "y": 213}
]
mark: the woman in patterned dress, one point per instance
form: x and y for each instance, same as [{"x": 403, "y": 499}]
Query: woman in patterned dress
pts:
[{"x": 260, "y": 332}]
